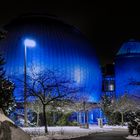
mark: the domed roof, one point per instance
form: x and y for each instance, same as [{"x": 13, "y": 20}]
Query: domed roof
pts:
[
  {"x": 59, "y": 46},
  {"x": 41, "y": 19},
  {"x": 130, "y": 47}
]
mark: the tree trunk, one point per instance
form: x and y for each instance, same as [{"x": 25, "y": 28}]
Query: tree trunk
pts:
[
  {"x": 77, "y": 117},
  {"x": 86, "y": 119},
  {"x": 54, "y": 118},
  {"x": 45, "y": 119},
  {"x": 122, "y": 118},
  {"x": 37, "y": 119},
  {"x": 25, "y": 115}
]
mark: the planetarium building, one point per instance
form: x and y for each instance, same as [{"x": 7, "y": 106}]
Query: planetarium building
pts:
[
  {"x": 127, "y": 69},
  {"x": 51, "y": 44}
]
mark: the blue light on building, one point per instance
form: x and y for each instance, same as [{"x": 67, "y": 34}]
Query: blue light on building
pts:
[
  {"x": 127, "y": 69},
  {"x": 58, "y": 46}
]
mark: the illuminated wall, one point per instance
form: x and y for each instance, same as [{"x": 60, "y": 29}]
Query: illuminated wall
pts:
[
  {"x": 127, "y": 69},
  {"x": 59, "y": 46}
]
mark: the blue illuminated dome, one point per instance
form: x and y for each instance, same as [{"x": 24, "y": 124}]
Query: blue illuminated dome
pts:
[
  {"x": 58, "y": 46},
  {"x": 127, "y": 69}
]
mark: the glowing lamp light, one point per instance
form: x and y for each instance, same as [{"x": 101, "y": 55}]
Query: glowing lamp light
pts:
[{"x": 29, "y": 43}]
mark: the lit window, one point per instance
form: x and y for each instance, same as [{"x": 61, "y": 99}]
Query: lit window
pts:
[{"x": 111, "y": 87}]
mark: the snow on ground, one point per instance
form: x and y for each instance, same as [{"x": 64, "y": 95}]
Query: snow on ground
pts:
[
  {"x": 133, "y": 137},
  {"x": 66, "y": 132},
  {"x": 115, "y": 126}
]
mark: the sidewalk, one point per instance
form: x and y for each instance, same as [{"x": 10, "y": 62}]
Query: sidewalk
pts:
[{"x": 68, "y": 132}]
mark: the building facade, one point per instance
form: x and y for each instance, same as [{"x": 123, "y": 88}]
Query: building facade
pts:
[
  {"x": 108, "y": 81},
  {"x": 59, "y": 46},
  {"x": 127, "y": 69}
]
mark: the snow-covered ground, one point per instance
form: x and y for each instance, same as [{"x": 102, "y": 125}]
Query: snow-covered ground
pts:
[
  {"x": 117, "y": 127},
  {"x": 133, "y": 137},
  {"x": 67, "y": 132}
]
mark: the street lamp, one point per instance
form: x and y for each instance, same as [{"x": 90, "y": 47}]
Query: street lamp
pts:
[{"x": 27, "y": 43}]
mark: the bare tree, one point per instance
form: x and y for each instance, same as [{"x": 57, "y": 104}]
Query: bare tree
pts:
[
  {"x": 50, "y": 87},
  {"x": 36, "y": 106},
  {"x": 82, "y": 104},
  {"x": 123, "y": 105}
]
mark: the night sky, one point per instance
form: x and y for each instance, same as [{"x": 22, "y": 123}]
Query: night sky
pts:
[{"x": 106, "y": 24}]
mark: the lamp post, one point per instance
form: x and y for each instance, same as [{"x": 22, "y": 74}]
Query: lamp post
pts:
[{"x": 27, "y": 43}]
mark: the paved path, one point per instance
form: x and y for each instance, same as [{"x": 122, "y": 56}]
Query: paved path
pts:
[{"x": 113, "y": 135}]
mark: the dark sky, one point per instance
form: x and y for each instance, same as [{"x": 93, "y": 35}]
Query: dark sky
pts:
[{"x": 106, "y": 24}]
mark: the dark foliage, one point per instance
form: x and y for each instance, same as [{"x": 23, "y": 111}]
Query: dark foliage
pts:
[
  {"x": 134, "y": 123},
  {"x": 7, "y": 101}
]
